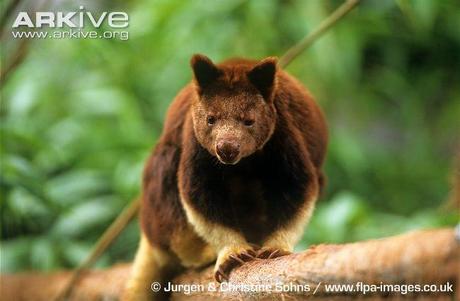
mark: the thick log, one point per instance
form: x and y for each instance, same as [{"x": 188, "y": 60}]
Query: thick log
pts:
[{"x": 419, "y": 257}]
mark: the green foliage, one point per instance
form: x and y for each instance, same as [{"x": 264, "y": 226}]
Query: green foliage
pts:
[{"x": 79, "y": 117}]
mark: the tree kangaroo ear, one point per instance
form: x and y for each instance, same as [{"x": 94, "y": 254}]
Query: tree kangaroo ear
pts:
[
  {"x": 263, "y": 76},
  {"x": 204, "y": 70}
]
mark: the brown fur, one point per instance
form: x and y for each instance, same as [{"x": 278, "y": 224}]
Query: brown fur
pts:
[{"x": 238, "y": 167}]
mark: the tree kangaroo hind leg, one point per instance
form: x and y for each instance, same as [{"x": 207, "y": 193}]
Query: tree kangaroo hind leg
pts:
[
  {"x": 190, "y": 248},
  {"x": 151, "y": 264}
]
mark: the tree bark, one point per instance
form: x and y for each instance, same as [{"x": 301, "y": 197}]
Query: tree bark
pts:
[{"x": 419, "y": 257}]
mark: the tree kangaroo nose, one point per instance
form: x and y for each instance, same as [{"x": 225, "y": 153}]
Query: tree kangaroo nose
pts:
[{"x": 228, "y": 150}]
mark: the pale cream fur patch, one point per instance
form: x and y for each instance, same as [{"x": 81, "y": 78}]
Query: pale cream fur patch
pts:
[{"x": 191, "y": 249}]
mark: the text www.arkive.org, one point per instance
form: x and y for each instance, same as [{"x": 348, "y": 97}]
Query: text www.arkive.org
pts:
[{"x": 71, "y": 34}]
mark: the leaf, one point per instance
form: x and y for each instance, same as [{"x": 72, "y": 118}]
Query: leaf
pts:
[
  {"x": 76, "y": 186},
  {"x": 84, "y": 217}
]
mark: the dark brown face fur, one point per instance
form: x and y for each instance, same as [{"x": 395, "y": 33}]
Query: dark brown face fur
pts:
[{"x": 233, "y": 112}]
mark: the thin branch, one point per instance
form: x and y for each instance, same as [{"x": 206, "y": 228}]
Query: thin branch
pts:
[
  {"x": 330, "y": 21},
  {"x": 19, "y": 55},
  {"x": 9, "y": 9},
  {"x": 21, "y": 50}
]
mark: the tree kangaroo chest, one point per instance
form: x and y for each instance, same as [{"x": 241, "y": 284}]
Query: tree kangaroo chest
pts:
[
  {"x": 255, "y": 197},
  {"x": 247, "y": 207}
]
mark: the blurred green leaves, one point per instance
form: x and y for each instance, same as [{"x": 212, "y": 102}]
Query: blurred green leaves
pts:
[{"x": 79, "y": 117}]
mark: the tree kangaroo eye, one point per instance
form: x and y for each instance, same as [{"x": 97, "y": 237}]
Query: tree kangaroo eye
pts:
[
  {"x": 211, "y": 120},
  {"x": 248, "y": 122}
]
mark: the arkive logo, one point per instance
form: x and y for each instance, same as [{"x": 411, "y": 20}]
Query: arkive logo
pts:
[{"x": 75, "y": 19}]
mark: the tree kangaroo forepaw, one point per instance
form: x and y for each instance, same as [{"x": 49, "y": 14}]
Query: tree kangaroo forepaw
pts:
[
  {"x": 230, "y": 259},
  {"x": 271, "y": 252}
]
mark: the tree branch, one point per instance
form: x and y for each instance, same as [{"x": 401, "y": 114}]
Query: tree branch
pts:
[
  {"x": 420, "y": 257},
  {"x": 330, "y": 21}
]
